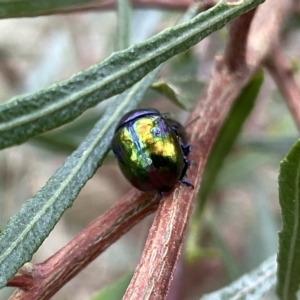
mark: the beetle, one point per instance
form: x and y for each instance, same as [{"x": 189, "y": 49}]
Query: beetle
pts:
[{"x": 151, "y": 150}]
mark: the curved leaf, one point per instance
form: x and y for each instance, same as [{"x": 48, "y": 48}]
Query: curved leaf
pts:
[
  {"x": 288, "y": 276},
  {"x": 167, "y": 90},
  {"x": 29, "y": 115}
]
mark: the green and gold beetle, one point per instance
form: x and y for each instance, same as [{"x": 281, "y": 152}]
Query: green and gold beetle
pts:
[{"x": 151, "y": 150}]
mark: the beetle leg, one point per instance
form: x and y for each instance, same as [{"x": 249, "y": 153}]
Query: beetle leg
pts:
[
  {"x": 184, "y": 170},
  {"x": 176, "y": 132},
  {"x": 186, "y": 182},
  {"x": 185, "y": 149}
]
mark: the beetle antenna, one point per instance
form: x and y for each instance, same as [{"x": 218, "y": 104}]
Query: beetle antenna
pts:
[{"x": 191, "y": 122}]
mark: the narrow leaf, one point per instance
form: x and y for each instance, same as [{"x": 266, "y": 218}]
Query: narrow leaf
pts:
[
  {"x": 29, "y": 115},
  {"x": 170, "y": 92},
  {"x": 32, "y": 224},
  {"x": 123, "y": 25},
  {"x": 288, "y": 276},
  {"x": 227, "y": 136},
  {"x": 250, "y": 286}
]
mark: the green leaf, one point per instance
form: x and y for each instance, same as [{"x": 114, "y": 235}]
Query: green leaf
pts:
[
  {"x": 114, "y": 291},
  {"x": 250, "y": 286},
  {"x": 22, "y": 8},
  {"x": 123, "y": 25},
  {"x": 288, "y": 276},
  {"x": 227, "y": 136},
  {"x": 32, "y": 224},
  {"x": 29, "y": 115},
  {"x": 166, "y": 89},
  {"x": 182, "y": 92}
]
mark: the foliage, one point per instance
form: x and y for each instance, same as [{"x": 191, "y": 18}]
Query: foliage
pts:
[
  {"x": 235, "y": 213},
  {"x": 289, "y": 197}
]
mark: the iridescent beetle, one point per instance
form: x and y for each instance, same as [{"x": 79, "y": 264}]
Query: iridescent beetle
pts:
[{"x": 151, "y": 150}]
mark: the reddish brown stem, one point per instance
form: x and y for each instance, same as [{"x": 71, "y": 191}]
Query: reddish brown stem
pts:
[
  {"x": 22, "y": 282},
  {"x": 235, "y": 51},
  {"x": 153, "y": 275},
  {"x": 49, "y": 276},
  {"x": 282, "y": 73},
  {"x": 155, "y": 270}
]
